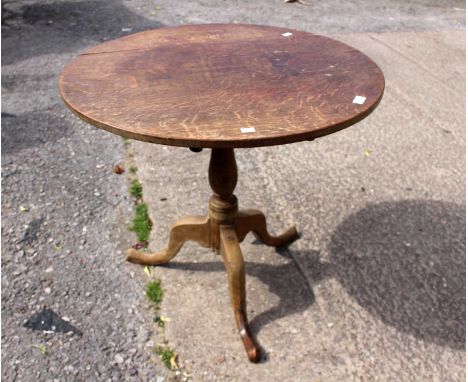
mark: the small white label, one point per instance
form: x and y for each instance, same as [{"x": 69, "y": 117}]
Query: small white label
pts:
[
  {"x": 286, "y": 34},
  {"x": 247, "y": 130},
  {"x": 359, "y": 100}
]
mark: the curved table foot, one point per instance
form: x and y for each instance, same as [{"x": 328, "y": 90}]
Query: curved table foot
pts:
[
  {"x": 255, "y": 221},
  {"x": 234, "y": 263},
  {"x": 196, "y": 228}
]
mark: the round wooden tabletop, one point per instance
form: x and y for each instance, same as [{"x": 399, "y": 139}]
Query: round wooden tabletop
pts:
[{"x": 222, "y": 86}]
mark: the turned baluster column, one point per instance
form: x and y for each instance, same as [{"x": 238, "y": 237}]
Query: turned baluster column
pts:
[{"x": 222, "y": 175}]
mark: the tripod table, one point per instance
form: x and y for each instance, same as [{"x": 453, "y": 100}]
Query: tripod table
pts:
[{"x": 222, "y": 87}]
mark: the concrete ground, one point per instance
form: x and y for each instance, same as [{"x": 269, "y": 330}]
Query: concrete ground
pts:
[{"x": 372, "y": 291}]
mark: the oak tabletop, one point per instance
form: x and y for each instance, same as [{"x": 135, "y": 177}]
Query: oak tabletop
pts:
[{"x": 222, "y": 86}]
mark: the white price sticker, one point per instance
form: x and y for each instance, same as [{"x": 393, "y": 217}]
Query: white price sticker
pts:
[
  {"x": 247, "y": 130},
  {"x": 359, "y": 100}
]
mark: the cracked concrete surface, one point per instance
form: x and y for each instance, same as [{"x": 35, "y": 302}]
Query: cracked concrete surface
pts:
[{"x": 374, "y": 289}]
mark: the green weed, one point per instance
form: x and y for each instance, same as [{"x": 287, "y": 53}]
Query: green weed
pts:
[
  {"x": 168, "y": 356},
  {"x": 141, "y": 223},
  {"x": 155, "y": 292},
  {"x": 42, "y": 349},
  {"x": 136, "y": 189}
]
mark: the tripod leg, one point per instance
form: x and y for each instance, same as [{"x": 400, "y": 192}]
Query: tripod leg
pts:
[
  {"x": 196, "y": 228},
  {"x": 234, "y": 263},
  {"x": 255, "y": 221}
]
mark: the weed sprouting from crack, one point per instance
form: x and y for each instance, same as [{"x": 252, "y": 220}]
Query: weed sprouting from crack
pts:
[
  {"x": 136, "y": 189},
  {"x": 126, "y": 142},
  {"x": 155, "y": 293},
  {"x": 168, "y": 356},
  {"x": 141, "y": 224},
  {"x": 42, "y": 349}
]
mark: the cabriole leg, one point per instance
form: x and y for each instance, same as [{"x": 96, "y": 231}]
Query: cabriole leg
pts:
[
  {"x": 234, "y": 263},
  {"x": 255, "y": 221},
  {"x": 195, "y": 228}
]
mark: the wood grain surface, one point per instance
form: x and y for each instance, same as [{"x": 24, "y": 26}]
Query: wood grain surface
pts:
[{"x": 222, "y": 85}]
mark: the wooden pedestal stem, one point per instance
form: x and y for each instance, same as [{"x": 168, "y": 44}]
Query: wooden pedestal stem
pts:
[{"x": 222, "y": 207}]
